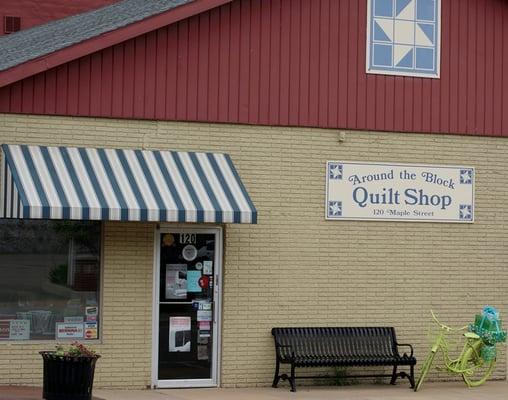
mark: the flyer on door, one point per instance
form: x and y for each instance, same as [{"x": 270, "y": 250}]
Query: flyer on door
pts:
[
  {"x": 180, "y": 334},
  {"x": 176, "y": 281}
]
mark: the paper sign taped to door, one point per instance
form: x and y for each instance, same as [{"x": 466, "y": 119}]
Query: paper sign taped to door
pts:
[
  {"x": 204, "y": 334},
  {"x": 204, "y": 325},
  {"x": 180, "y": 334},
  {"x": 176, "y": 281},
  {"x": 202, "y": 352},
  {"x": 201, "y": 304},
  {"x": 204, "y": 315},
  {"x": 203, "y": 340},
  {"x": 193, "y": 281},
  {"x": 207, "y": 267}
]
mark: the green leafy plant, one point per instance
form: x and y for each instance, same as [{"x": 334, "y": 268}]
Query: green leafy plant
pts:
[
  {"x": 341, "y": 378},
  {"x": 75, "y": 349},
  {"x": 379, "y": 380}
]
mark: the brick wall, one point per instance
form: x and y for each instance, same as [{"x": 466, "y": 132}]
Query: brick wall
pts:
[{"x": 293, "y": 268}]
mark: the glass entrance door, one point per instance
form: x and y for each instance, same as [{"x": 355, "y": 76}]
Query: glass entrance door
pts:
[{"x": 188, "y": 308}]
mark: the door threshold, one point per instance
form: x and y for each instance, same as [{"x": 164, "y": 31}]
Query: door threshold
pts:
[{"x": 194, "y": 384}]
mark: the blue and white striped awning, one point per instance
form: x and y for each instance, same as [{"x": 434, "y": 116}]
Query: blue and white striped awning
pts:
[{"x": 121, "y": 185}]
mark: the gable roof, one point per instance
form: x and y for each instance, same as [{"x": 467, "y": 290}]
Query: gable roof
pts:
[
  {"x": 43, "y": 47},
  {"x": 38, "y": 41}
]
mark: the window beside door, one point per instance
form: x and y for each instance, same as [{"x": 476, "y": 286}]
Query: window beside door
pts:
[{"x": 50, "y": 280}]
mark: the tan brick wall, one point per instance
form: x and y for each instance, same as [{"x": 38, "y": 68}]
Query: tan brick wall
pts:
[{"x": 293, "y": 268}]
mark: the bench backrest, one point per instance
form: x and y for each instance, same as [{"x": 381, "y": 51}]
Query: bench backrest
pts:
[{"x": 343, "y": 342}]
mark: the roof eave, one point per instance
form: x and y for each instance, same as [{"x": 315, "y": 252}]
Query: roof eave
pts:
[{"x": 97, "y": 43}]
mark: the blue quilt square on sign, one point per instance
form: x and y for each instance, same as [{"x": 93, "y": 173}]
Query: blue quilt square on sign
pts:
[
  {"x": 335, "y": 171},
  {"x": 335, "y": 208},
  {"x": 424, "y": 58},
  {"x": 466, "y": 176},
  {"x": 383, "y": 30},
  {"x": 465, "y": 212},
  {"x": 383, "y": 55},
  {"x": 425, "y": 35},
  {"x": 425, "y": 10},
  {"x": 383, "y": 8}
]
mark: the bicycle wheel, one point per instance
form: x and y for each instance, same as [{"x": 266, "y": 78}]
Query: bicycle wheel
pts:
[
  {"x": 425, "y": 369},
  {"x": 476, "y": 371}
]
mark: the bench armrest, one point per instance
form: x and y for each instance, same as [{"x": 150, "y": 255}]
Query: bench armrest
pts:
[
  {"x": 405, "y": 345},
  {"x": 278, "y": 346}
]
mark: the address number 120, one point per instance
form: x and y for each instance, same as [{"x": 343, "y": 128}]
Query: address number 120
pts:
[{"x": 187, "y": 238}]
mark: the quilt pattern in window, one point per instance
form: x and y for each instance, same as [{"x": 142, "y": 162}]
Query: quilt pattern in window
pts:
[{"x": 403, "y": 37}]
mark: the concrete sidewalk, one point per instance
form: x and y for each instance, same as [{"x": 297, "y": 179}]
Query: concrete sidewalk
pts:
[{"x": 432, "y": 391}]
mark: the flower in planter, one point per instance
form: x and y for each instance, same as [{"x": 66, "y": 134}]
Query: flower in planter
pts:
[{"x": 75, "y": 349}]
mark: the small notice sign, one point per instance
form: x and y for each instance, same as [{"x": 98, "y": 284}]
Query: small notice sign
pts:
[
  {"x": 399, "y": 192},
  {"x": 74, "y": 320},
  {"x": 15, "y": 329},
  {"x": 180, "y": 334},
  {"x": 69, "y": 330},
  {"x": 90, "y": 330},
  {"x": 19, "y": 329},
  {"x": 5, "y": 327}
]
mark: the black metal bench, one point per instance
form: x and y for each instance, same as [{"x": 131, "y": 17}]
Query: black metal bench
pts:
[{"x": 340, "y": 347}]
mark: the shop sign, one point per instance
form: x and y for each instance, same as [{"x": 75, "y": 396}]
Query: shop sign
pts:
[
  {"x": 69, "y": 330},
  {"x": 399, "y": 192}
]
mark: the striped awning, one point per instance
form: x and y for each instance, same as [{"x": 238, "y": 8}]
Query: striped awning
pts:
[{"x": 121, "y": 185}]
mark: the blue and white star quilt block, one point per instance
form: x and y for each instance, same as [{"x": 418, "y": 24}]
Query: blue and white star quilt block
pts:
[{"x": 403, "y": 37}]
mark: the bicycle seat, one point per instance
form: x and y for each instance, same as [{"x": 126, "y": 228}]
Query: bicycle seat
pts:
[{"x": 471, "y": 335}]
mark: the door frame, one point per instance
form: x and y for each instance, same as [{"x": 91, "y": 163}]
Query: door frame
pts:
[{"x": 217, "y": 309}]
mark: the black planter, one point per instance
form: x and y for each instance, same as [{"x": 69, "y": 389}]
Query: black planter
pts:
[{"x": 67, "y": 378}]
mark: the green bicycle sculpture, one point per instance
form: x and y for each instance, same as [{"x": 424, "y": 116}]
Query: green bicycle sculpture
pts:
[{"x": 478, "y": 356}]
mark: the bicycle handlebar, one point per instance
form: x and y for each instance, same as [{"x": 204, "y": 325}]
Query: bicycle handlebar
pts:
[{"x": 446, "y": 327}]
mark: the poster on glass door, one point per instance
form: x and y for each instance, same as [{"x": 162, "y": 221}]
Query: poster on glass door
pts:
[
  {"x": 176, "y": 281},
  {"x": 180, "y": 334}
]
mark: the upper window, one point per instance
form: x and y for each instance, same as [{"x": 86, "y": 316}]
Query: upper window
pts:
[
  {"x": 49, "y": 286},
  {"x": 403, "y": 37},
  {"x": 11, "y": 24}
]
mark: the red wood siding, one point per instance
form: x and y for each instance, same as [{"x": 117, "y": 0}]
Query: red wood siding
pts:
[{"x": 286, "y": 62}]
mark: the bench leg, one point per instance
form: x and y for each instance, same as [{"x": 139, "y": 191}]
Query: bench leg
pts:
[
  {"x": 411, "y": 376},
  {"x": 276, "y": 377},
  {"x": 394, "y": 375},
  {"x": 292, "y": 379}
]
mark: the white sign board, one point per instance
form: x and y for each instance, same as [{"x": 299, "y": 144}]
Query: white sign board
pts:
[
  {"x": 19, "y": 329},
  {"x": 399, "y": 192},
  {"x": 69, "y": 330}
]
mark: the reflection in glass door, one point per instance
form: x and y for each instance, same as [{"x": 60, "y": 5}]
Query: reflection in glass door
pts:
[{"x": 187, "y": 308}]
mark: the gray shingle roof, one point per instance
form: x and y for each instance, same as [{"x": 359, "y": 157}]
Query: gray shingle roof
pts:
[{"x": 44, "y": 39}]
